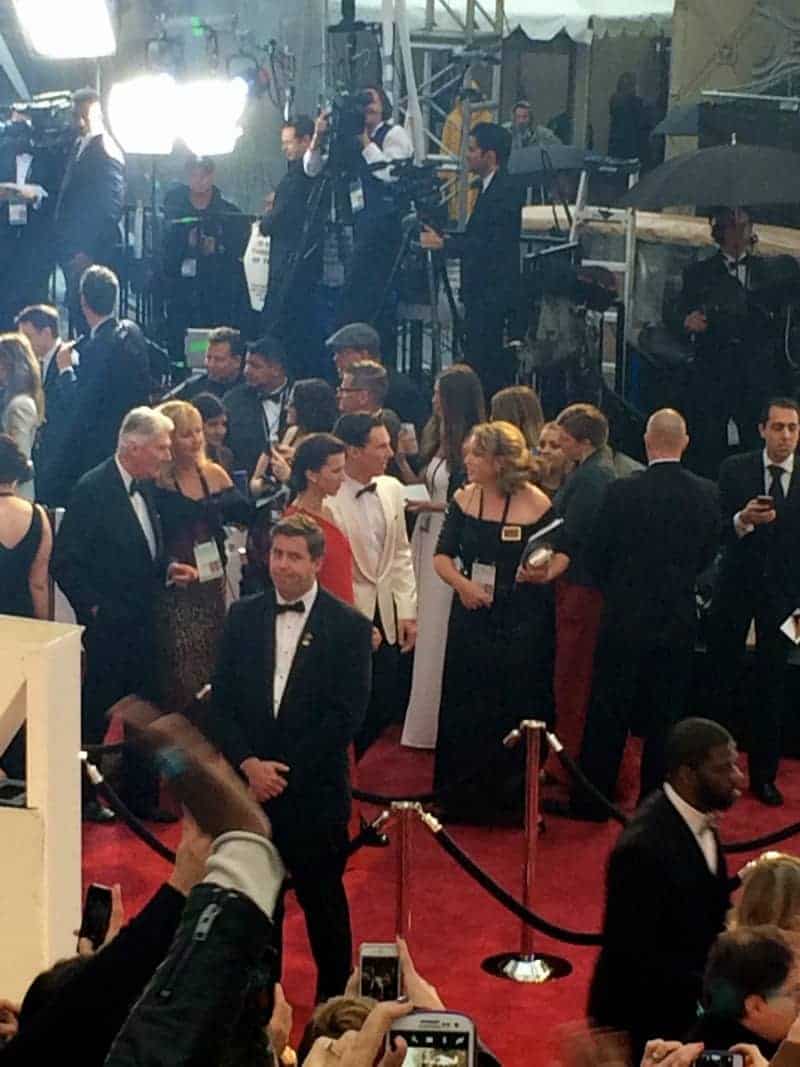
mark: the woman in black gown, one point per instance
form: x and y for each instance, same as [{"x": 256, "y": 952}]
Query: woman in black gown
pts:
[
  {"x": 498, "y": 663},
  {"x": 25, "y": 544},
  {"x": 195, "y": 497}
]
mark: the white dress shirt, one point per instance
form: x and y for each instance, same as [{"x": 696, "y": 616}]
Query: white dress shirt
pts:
[
  {"x": 487, "y": 181},
  {"x": 396, "y": 146},
  {"x": 50, "y": 356},
  {"x": 289, "y": 625},
  {"x": 737, "y": 268},
  {"x": 139, "y": 507},
  {"x": 369, "y": 507},
  {"x": 787, "y": 469},
  {"x": 24, "y": 160},
  {"x": 701, "y": 825},
  {"x": 272, "y": 414}
]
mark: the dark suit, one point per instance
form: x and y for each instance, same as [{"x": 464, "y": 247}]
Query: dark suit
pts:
[
  {"x": 197, "y": 383},
  {"x": 490, "y": 280},
  {"x": 88, "y": 211},
  {"x": 101, "y": 560},
  {"x": 323, "y": 705},
  {"x": 655, "y": 532},
  {"x": 759, "y": 579},
  {"x": 737, "y": 365},
  {"x": 113, "y": 377},
  {"x": 26, "y": 252},
  {"x": 248, "y": 432},
  {"x": 60, "y": 399},
  {"x": 289, "y": 309},
  {"x": 664, "y": 908}
]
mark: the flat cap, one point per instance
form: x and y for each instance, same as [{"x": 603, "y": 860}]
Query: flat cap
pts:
[{"x": 355, "y": 335}]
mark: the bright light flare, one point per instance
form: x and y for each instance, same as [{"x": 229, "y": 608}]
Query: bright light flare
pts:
[
  {"x": 143, "y": 113},
  {"x": 68, "y": 29},
  {"x": 209, "y": 114}
]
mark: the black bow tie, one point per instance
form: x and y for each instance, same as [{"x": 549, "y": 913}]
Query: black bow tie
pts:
[
  {"x": 135, "y": 487},
  {"x": 734, "y": 264},
  {"x": 371, "y": 488},
  {"x": 276, "y": 397},
  {"x": 297, "y": 606}
]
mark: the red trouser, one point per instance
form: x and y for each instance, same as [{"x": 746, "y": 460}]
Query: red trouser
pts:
[{"x": 578, "y": 612}]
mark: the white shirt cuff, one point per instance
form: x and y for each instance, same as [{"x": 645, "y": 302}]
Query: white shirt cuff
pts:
[{"x": 742, "y": 528}]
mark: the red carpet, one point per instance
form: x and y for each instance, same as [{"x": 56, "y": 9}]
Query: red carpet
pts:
[{"x": 454, "y": 924}]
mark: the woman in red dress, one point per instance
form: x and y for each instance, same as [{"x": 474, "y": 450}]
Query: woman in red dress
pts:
[{"x": 318, "y": 472}]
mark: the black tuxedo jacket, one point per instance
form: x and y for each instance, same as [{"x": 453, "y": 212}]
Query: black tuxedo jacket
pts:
[
  {"x": 489, "y": 247},
  {"x": 91, "y": 201},
  {"x": 42, "y": 172},
  {"x": 655, "y": 532},
  {"x": 284, "y": 226},
  {"x": 323, "y": 705},
  {"x": 664, "y": 908},
  {"x": 764, "y": 565},
  {"x": 60, "y": 399},
  {"x": 101, "y": 557},
  {"x": 113, "y": 377},
  {"x": 247, "y": 425}
]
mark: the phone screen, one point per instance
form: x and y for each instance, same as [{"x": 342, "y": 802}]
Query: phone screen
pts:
[
  {"x": 380, "y": 977},
  {"x": 96, "y": 914},
  {"x": 436, "y": 1049}
]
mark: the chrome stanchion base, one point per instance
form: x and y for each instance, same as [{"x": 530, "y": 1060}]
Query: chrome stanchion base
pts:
[{"x": 535, "y": 970}]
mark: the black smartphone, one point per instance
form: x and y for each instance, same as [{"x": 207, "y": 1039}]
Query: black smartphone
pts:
[
  {"x": 765, "y": 502},
  {"x": 719, "y": 1058},
  {"x": 96, "y": 914}
]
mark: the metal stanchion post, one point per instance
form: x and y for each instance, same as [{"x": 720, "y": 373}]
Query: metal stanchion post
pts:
[
  {"x": 526, "y": 965},
  {"x": 406, "y": 812}
]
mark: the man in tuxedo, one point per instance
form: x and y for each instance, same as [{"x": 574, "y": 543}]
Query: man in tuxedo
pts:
[
  {"x": 40, "y": 324},
  {"x": 113, "y": 375},
  {"x": 759, "y": 579},
  {"x": 91, "y": 200},
  {"x": 667, "y": 892},
  {"x": 490, "y": 260},
  {"x": 257, "y": 408},
  {"x": 370, "y": 509},
  {"x": 358, "y": 341},
  {"x": 655, "y": 532},
  {"x": 725, "y": 310},
  {"x": 26, "y": 219},
  {"x": 295, "y": 256},
  {"x": 108, "y": 559},
  {"x": 224, "y": 357},
  {"x": 289, "y": 693}
]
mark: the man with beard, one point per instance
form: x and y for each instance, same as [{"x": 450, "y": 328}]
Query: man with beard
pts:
[{"x": 667, "y": 891}]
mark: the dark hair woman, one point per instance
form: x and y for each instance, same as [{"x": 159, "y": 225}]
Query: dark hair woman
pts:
[{"x": 458, "y": 405}]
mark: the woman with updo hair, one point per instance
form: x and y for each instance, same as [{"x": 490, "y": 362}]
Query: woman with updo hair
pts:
[
  {"x": 498, "y": 666},
  {"x": 770, "y": 895},
  {"x": 317, "y": 473}
]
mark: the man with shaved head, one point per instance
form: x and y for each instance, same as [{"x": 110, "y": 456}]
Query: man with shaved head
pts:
[{"x": 656, "y": 531}]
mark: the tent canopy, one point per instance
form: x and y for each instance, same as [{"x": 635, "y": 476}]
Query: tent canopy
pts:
[{"x": 542, "y": 20}]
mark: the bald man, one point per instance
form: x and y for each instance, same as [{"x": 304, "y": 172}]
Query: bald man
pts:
[{"x": 656, "y": 531}]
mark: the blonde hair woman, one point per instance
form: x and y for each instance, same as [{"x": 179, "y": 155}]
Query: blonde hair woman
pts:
[
  {"x": 770, "y": 895},
  {"x": 23, "y": 398},
  {"x": 195, "y": 498},
  {"x": 519, "y": 405},
  {"x": 498, "y": 661}
]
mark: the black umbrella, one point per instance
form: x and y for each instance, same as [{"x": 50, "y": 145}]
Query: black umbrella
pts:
[
  {"x": 536, "y": 161},
  {"x": 729, "y": 175},
  {"x": 680, "y": 122}
]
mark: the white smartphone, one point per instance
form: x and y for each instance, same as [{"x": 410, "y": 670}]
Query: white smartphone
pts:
[
  {"x": 379, "y": 966},
  {"x": 436, "y": 1039}
]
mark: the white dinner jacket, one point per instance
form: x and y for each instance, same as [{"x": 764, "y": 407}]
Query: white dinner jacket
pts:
[{"x": 394, "y": 587}]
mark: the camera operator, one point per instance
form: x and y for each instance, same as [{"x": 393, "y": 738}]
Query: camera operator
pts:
[
  {"x": 203, "y": 244},
  {"x": 28, "y": 184},
  {"x": 377, "y": 208},
  {"x": 295, "y": 256},
  {"x": 90, "y": 201}
]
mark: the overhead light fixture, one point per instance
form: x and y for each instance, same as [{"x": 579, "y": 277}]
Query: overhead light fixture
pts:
[
  {"x": 68, "y": 29},
  {"x": 209, "y": 113},
  {"x": 142, "y": 113}
]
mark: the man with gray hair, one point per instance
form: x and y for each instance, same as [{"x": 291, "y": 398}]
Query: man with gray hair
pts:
[
  {"x": 655, "y": 532},
  {"x": 109, "y": 559}
]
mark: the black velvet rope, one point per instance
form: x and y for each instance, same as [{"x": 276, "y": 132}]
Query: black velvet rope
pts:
[
  {"x": 762, "y": 842},
  {"x": 577, "y": 775},
  {"x": 502, "y": 896}
]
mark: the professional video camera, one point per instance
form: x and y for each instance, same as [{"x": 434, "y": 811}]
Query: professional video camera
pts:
[
  {"x": 418, "y": 186},
  {"x": 47, "y": 124},
  {"x": 347, "y": 117}
]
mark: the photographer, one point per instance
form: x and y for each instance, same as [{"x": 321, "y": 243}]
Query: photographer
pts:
[
  {"x": 27, "y": 178},
  {"x": 377, "y": 208},
  {"x": 203, "y": 244}
]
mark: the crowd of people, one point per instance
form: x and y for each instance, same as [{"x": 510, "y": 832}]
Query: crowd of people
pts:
[{"x": 447, "y": 564}]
